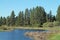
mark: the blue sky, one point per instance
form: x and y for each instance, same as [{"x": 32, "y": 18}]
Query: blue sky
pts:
[{"x": 6, "y": 6}]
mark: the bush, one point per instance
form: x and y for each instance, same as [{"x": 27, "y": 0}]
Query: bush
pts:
[
  {"x": 56, "y": 23},
  {"x": 36, "y": 25},
  {"x": 48, "y": 24}
]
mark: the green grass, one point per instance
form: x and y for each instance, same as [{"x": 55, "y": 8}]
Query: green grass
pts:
[{"x": 55, "y": 37}]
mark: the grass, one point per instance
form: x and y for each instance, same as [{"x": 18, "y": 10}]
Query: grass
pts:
[
  {"x": 55, "y": 37},
  {"x": 43, "y": 28}
]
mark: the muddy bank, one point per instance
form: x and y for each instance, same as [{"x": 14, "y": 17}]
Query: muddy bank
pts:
[{"x": 40, "y": 35}]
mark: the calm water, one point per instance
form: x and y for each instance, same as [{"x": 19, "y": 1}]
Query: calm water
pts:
[{"x": 17, "y": 34}]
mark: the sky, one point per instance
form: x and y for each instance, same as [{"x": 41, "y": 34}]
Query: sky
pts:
[{"x": 6, "y": 6}]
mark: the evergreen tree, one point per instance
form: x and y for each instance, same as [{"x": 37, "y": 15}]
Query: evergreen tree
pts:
[
  {"x": 50, "y": 16},
  {"x": 16, "y": 21},
  {"x": 1, "y": 21},
  {"x": 4, "y": 21},
  {"x": 20, "y": 19},
  {"x": 58, "y": 14},
  {"x": 47, "y": 17},
  {"x": 8, "y": 21},
  {"x": 40, "y": 15},
  {"x": 27, "y": 17},
  {"x": 53, "y": 18},
  {"x": 12, "y": 19},
  {"x": 33, "y": 16}
]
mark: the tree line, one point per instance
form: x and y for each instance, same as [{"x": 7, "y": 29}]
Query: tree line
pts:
[{"x": 31, "y": 17}]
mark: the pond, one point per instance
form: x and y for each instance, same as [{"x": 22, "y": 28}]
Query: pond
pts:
[{"x": 16, "y": 34}]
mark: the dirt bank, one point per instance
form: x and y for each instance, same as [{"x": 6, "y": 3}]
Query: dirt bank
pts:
[{"x": 40, "y": 35}]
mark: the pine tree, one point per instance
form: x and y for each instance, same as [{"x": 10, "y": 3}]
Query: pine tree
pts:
[
  {"x": 20, "y": 19},
  {"x": 12, "y": 19},
  {"x": 53, "y": 18},
  {"x": 8, "y": 21},
  {"x": 1, "y": 21},
  {"x": 32, "y": 16},
  {"x": 27, "y": 17},
  {"x": 50, "y": 16},
  {"x": 4, "y": 21},
  {"x": 58, "y": 14},
  {"x": 40, "y": 15}
]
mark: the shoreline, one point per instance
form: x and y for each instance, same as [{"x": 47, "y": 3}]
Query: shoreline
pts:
[
  {"x": 24, "y": 28},
  {"x": 34, "y": 28},
  {"x": 35, "y": 35}
]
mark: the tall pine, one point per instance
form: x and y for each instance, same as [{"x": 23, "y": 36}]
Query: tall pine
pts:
[
  {"x": 27, "y": 17},
  {"x": 20, "y": 19},
  {"x": 58, "y": 14},
  {"x": 12, "y": 19}
]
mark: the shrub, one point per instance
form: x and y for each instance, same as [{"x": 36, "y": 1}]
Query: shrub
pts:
[
  {"x": 48, "y": 24},
  {"x": 56, "y": 23},
  {"x": 36, "y": 25}
]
